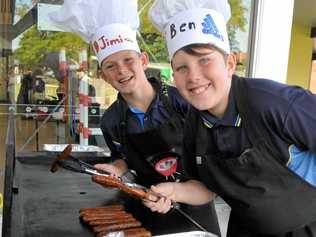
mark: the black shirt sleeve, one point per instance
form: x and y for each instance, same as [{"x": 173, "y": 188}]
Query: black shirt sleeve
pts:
[
  {"x": 111, "y": 133},
  {"x": 300, "y": 121},
  {"x": 114, "y": 146},
  {"x": 288, "y": 113}
]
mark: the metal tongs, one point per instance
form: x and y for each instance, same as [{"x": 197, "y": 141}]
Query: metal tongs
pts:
[{"x": 66, "y": 161}]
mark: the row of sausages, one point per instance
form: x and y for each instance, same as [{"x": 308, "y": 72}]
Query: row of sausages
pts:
[{"x": 113, "y": 218}]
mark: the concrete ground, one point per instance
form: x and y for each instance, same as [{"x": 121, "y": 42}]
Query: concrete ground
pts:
[{"x": 223, "y": 211}]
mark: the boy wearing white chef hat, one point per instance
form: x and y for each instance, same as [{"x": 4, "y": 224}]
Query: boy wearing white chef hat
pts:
[
  {"x": 95, "y": 22},
  {"x": 192, "y": 22},
  {"x": 251, "y": 141},
  {"x": 144, "y": 127}
]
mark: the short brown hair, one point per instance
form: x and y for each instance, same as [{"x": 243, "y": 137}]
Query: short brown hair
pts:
[{"x": 191, "y": 49}]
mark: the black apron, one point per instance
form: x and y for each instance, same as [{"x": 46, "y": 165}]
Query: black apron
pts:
[
  {"x": 144, "y": 151},
  {"x": 265, "y": 196}
]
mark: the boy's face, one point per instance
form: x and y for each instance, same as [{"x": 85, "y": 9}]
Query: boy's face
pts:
[
  {"x": 124, "y": 69},
  {"x": 204, "y": 80}
]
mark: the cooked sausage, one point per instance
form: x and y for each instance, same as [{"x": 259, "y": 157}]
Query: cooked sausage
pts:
[
  {"x": 134, "y": 232},
  {"x": 137, "y": 232},
  {"x": 96, "y": 216},
  {"x": 105, "y": 217},
  {"x": 113, "y": 182},
  {"x": 135, "y": 192},
  {"x": 107, "y": 181},
  {"x": 102, "y": 213},
  {"x": 93, "y": 214},
  {"x": 115, "y": 207},
  {"x": 111, "y": 221},
  {"x": 115, "y": 227}
]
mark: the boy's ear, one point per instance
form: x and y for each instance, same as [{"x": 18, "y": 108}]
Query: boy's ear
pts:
[
  {"x": 231, "y": 64},
  {"x": 144, "y": 60}
]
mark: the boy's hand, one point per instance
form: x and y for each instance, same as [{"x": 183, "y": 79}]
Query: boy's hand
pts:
[
  {"x": 160, "y": 200},
  {"x": 117, "y": 168}
]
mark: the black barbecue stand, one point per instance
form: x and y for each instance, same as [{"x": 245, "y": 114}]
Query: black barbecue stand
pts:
[{"x": 44, "y": 204}]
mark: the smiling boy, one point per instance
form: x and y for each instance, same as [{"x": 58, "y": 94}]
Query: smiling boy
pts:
[{"x": 251, "y": 141}]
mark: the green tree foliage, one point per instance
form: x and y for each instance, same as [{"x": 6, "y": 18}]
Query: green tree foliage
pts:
[
  {"x": 35, "y": 45},
  {"x": 237, "y": 22},
  {"x": 154, "y": 40}
]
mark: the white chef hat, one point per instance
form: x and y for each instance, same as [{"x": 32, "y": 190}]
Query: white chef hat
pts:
[
  {"x": 186, "y": 22},
  {"x": 109, "y": 25}
]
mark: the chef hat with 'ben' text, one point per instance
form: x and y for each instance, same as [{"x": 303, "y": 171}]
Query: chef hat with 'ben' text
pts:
[
  {"x": 186, "y": 22},
  {"x": 109, "y": 25}
]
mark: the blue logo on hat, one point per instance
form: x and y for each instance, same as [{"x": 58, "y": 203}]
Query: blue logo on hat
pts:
[{"x": 209, "y": 27}]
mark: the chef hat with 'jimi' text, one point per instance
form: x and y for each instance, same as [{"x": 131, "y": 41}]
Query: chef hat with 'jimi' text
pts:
[
  {"x": 109, "y": 25},
  {"x": 186, "y": 22}
]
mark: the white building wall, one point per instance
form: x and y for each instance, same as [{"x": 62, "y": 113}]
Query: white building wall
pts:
[{"x": 271, "y": 44}]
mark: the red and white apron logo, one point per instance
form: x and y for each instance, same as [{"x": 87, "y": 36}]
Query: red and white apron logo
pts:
[{"x": 167, "y": 166}]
